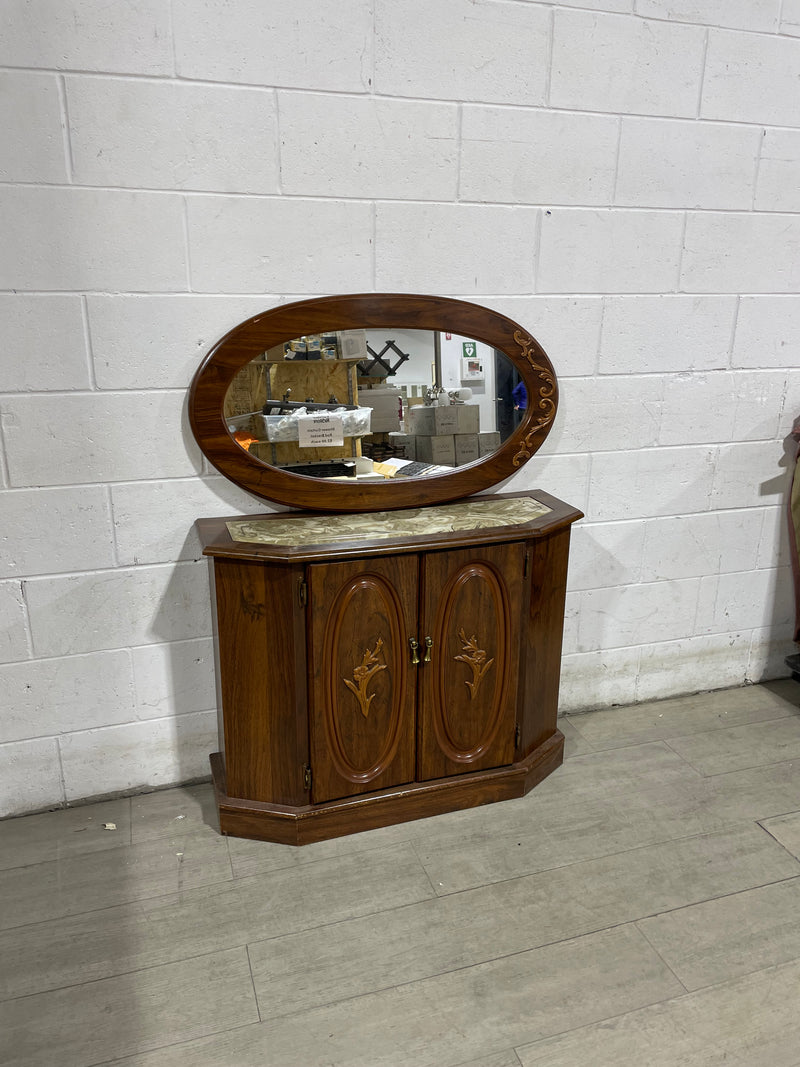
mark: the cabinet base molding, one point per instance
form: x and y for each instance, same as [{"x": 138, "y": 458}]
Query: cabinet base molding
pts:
[{"x": 416, "y": 800}]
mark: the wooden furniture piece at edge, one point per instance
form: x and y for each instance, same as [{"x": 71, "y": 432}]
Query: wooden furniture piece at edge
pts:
[{"x": 266, "y": 694}]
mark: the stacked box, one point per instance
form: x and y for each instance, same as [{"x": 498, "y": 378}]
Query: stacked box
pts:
[
  {"x": 406, "y": 441},
  {"x": 466, "y": 448},
  {"x": 488, "y": 441},
  {"x": 436, "y": 448}
]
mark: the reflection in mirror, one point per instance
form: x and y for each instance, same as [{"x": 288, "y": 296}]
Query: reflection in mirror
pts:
[{"x": 374, "y": 405}]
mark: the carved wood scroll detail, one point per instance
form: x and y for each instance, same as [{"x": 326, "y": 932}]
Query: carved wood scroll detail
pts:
[
  {"x": 476, "y": 658},
  {"x": 544, "y": 403},
  {"x": 369, "y": 665}
]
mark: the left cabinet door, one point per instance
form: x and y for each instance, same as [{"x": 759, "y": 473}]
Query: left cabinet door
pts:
[{"x": 362, "y": 683}]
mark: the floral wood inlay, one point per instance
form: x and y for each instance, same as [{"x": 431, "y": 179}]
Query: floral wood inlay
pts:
[
  {"x": 369, "y": 665},
  {"x": 476, "y": 658},
  {"x": 545, "y": 404}
]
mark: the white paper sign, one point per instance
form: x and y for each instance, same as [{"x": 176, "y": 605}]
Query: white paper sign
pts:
[{"x": 320, "y": 431}]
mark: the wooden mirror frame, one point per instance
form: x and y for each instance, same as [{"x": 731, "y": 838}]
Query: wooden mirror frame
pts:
[{"x": 367, "y": 311}]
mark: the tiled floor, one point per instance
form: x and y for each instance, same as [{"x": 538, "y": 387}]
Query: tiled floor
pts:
[{"x": 640, "y": 907}]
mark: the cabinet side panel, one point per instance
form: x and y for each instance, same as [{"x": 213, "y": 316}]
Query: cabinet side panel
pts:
[
  {"x": 542, "y": 638},
  {"x": 261, "y": 666}
]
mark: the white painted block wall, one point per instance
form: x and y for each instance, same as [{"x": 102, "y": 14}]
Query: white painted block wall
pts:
[{"x": 620, "y": 176}]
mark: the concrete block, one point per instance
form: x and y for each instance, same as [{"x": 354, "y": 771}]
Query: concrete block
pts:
[
  {"x": 694, "y": 546},
  {"x": 30, "y": 776},
  {"x": 779, "y": 171},
  {"x": 722, "y": 406},
  {"x": 645, "y": 334},
  {"x": 518, "y": 156},
  {"x": 621, "y": 6},
  {"x": 42, "y": 343},
  {"x": 158, "y": 752},
  {"x": 636, "y": 614},
  {"x": 307, "y": 44},
  {"x": 592, "y": 680},
  {"x": 758, "y": 15},
  {"x": 454, "y": 248},
  {"x": 686, "y": 164},
  {"x": 50, "y": 530},
  {"x": 154, "y": 521},
  {"x": 439, "y": 448},
  {"x": 621, "y": 63},
  {"x": 30, "y": 124},
  {"x": 14, "y": 640},
  {"x": 146, "y": 342},
  {"x": 602, "y": 414},
  {"x": 88, "y": 35},
  {"x": 713, "y": 260},
  {"x": 390, "y": 149},
  {"x": 751, "y": 77},
  {"x": 101, "y": 437},
  {"x": 567, "y": 327},
  {"x": 773, "y": 546},
  {"x": 748, "y": 474},
  {"x": 574, "y": 252},
  {"x": 768, "y": 653},
  {"x": 745, "y": 600},
  {"x": 566, "y": 477},
  {"x": 651, "y": 482},
  {"x": 688, "y": 665},
  {"x": 492, "y": 52},
  {"x": 91, "y": 239},
  {"x": 238, "y": 245},
  {"x": 117, "y": 609},
  {"x": 174, "y": 136},
  {"x": 55, "y": 696},
  {"x": 467, "y": 449},
  {"x": 608, "y": 553},
  {"x": 174, "y": 679},
  {"x": 790, "y": 18},
  {"x": 767, "y": 331}
]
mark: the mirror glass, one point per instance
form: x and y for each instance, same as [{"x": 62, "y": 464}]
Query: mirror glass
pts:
[{"x": 374, "y": 404}]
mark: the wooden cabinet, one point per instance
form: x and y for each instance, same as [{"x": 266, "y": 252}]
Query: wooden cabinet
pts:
[{"x": 369, "y": 680}]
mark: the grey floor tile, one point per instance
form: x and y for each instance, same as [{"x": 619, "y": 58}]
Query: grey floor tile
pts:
[
  {"x": 786, "y": 829},
  {"x": 193, "y": 922},
  {"x": 68, "y": 832},
  {"x": 614, "y": 727},
  {"x": 739, "y": 747},
  {"x": 403, "y": 945},
  {"x": 509, "y": 1058},
  {"x": 542, "y": 831},
  {"x": 445, "y": 1021},
  {"x": 721, "y": 939},
  {"x": 575, "y": 744},
  {"x": 749, "y": 1022},
  {"x": 168, "y": 812},
  {"x": 119, "y": 1016},
  {"x": 260, "y": 857},
  {"x": 79, "y": 884}
]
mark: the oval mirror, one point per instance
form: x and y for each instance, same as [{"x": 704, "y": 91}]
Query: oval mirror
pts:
[{"x": 372, "y": 402}]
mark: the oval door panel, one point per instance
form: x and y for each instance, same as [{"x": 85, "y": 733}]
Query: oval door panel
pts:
[
  {"x": 471, "y": 638},
  {"x": 364, "y": 677}
]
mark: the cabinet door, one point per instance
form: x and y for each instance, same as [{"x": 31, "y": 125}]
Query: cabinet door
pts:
[
  {"x": 362, "y": 690},
  {"x": 472, "y": 614}
]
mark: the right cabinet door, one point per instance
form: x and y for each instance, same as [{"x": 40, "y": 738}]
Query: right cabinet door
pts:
[{"x": 471, "y": 618}]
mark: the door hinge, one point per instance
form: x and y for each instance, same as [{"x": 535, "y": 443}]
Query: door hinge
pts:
[
  {"x": 526, "y": 564},
  {"x": 302, "y": 592},
  {"x": 517, "y": 735},
  {"x": 307, "y": 778}
]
